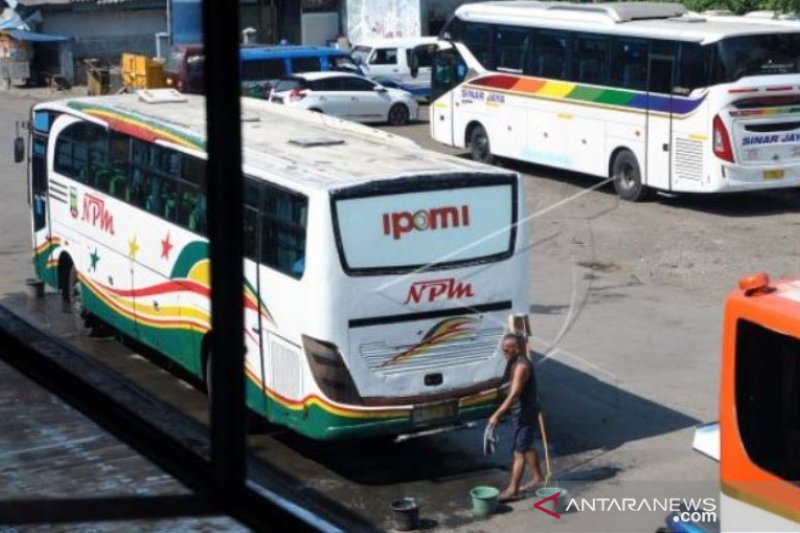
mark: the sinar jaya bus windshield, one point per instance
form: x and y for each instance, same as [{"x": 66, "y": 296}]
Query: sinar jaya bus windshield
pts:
[{"x": 757, "y": 55}]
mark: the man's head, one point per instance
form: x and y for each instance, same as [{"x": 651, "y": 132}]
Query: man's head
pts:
[{"x": 513, "y": 344}]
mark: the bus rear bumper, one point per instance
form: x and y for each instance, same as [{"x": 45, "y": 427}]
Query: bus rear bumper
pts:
[
  {"x": 736, "y": 178},
  {"x": 405, "y": 428}
]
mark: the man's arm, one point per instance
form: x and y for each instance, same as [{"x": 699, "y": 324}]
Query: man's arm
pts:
[{"x": 517, "y": 382}]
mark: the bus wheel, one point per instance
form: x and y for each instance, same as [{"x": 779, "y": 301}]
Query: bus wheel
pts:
[
  {"x": 628, "y": 178},
  {"x": 75, "y": 300},
  {"x": 399, "y": 115},
  {"x": 479, "y": 146}
]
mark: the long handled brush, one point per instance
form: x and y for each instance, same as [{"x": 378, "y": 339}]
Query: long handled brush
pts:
[{"x": 549, "y": 469}]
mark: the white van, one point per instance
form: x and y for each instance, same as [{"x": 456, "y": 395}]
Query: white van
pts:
[{"x": 388, "y": 61}]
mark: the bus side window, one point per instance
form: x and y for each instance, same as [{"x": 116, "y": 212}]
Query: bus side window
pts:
[
  {"x": 139, "y": 188},
  {"x": 169, "y": 200},
  {"x": 63, "y": 159},
  {"x": 194, "y": 171},
  {"x": 478, "y": 38},
  {"x": 100, "y": 172},
  {"x": 72, "y": 153},
  {"x": 694, "y": 63},
  {"x": 550, "y": 54},
  {"x": 511, "y": 49},
  {"x": 283, "y": 231},
  {"x": 119, "y": 155},
  {"x": 590, "y": 59},
  {"x": 153, "y": 201},
  {"x": 629, "y": 58},
  {"x": 661, "y": 77}
]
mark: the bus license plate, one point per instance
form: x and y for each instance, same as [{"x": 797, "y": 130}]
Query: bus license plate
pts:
[
  {"x": 434, "y": 413},
  {"x": 773, "y": 174}
]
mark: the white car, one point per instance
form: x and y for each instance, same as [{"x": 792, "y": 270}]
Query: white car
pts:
[
  {"x": 346, "y": 96},
  {"x": 388, "y": 61}
]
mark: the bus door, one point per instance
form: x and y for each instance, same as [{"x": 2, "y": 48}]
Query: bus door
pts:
[
  {"x": 38, "y": 185},
  {"x": 448, "y": 70},
  {"x": 659, "y": 120},
  {"x": 254, "y": 332}
]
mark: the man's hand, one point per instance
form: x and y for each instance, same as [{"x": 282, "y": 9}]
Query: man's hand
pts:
[{"x": 493, "y": 421}]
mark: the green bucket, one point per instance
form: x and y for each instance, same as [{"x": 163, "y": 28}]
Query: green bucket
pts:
[
  {"x": 484, "y": 501},
  {"x": 556, "y": 505}
]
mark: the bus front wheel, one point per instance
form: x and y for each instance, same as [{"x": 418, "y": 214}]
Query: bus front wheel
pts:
[
  {"x": 479, "y": 146},
  {"x": 628, "y": 178}
]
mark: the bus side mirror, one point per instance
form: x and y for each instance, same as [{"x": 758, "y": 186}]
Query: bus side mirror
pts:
[
  {"x": 414, "y": 66},
  {"x": 19, "y": 150}
]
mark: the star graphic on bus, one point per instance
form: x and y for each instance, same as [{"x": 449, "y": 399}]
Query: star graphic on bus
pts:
[
  {"x": 133, "y": 248},
  {"x": 166, "y": 247},
  {"x": 94, "y": 257}
]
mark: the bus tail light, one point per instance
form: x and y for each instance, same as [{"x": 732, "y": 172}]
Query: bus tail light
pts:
[
  {"x": 330, "y": 372},
  {"x": 297, "y": 94},
  {"x": 722, "y": 141}
]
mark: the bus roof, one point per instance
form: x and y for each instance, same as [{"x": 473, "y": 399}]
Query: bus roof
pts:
[
  {"x": 636, "y": 19},
  {"x": 298, "y": 149}
]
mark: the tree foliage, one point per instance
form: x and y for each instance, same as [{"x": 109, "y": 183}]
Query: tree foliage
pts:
[{"x": 741, "y": 7}]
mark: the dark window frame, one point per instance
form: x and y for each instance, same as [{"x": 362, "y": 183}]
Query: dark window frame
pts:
[{"x": 766, "y": 383}]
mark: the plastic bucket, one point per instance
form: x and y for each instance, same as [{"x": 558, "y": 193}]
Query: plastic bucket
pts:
[
  {"x": 556, "y": 505},
  {"x": 406, "y": 514},
  {"x": 484, "y": 501},
  {"x": 35, "y": 287}
]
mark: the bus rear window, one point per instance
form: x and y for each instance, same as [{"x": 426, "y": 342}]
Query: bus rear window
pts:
[
  {"x": 379, "y": 233},
  {"x": 768, "y": 398},
  {"x": 757, "y": 55}
]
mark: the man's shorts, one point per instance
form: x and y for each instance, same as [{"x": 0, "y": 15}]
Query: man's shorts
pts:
[{"x": 523, "y": 437}]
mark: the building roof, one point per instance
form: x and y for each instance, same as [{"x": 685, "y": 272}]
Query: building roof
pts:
[{"x": 295, "y": 148}]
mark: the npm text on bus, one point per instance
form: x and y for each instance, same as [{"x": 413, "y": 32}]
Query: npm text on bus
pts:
[
  {"x": 639, "y": 92},
  {"x": 379, "y": 276}
]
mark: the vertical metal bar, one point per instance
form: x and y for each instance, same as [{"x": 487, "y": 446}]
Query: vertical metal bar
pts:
[{"x": 221, "y": 39}]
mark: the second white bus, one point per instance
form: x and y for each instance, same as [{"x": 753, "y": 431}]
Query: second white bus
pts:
[{"x": 640, "y": 92}]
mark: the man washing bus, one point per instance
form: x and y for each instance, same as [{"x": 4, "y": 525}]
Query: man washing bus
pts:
[{"x": 523, "y": 401}]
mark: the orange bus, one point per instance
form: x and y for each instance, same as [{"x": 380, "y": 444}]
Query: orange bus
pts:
[{"x": 758, "y": 443}]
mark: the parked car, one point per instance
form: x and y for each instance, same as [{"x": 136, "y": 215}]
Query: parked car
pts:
[
  {"x": 347, "y": 96},
  {"x": 261, "y": 65},
  {"x": 388, "y": 61}
]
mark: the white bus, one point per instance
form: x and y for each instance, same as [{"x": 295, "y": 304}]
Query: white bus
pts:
[
  {"x": 640, "y": 92},
  {"x": 378, "y": 275}
]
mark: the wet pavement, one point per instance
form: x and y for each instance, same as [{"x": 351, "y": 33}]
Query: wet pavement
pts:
[{"x": 366, "y": 476}]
